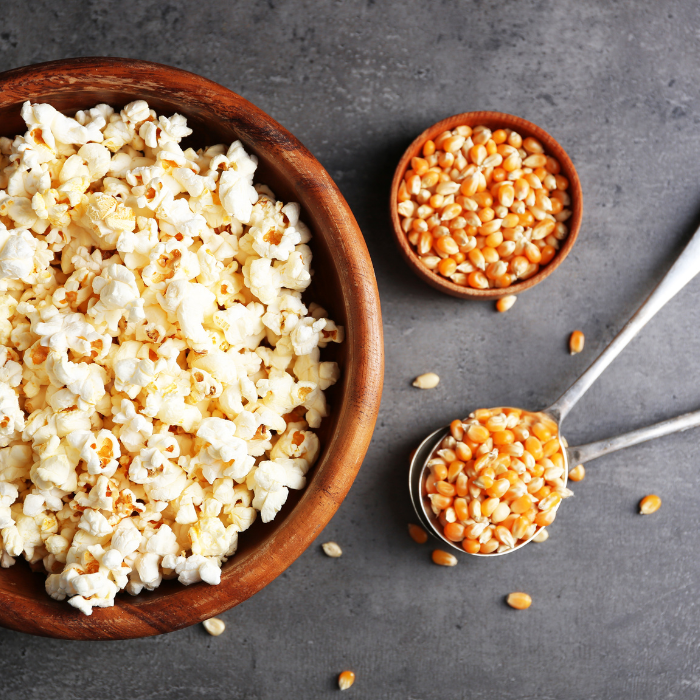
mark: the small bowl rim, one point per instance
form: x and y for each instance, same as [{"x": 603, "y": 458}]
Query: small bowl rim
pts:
[{"x": 490, "y": 119}]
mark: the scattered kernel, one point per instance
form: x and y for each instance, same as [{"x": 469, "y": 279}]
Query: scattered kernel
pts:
[
  {"x": 332, "y": 549},
  {"x": 442, "y": 558},
  {"x": 577, "y": 473},
  {"x": 505, "y": 303},
  {"x": 426, "y": 381},
  {"x": 649, "y": 504},
  {"x": 418, "y": 534},
  {"x": 476, "y": 190},
  {"x": 214, "y": 626},
  {"x": 519, "y": 600},
  {"x": 576, "y": 342},
  {"x": 346, "y": 679}
]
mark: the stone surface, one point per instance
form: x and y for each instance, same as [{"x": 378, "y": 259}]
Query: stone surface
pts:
[{"x": 614, "y": 613}]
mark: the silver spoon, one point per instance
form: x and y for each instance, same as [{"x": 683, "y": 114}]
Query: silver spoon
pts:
[{"x": 686, "y": 267}]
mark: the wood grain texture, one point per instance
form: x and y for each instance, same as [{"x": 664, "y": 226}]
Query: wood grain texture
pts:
[
  {"x": 493, "y": 120},
  {"x": 343, "y": 283}
]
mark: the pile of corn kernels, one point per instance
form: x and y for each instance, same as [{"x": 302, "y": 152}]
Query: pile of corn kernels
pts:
[
  {"x": 484, "y": 209},
  {"x": 497, "y": 478}
]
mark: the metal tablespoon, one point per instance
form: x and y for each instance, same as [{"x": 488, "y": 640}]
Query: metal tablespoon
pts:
[{"x": 686, "y": 267}]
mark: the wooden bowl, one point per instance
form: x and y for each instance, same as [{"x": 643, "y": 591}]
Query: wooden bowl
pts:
[
  {"x": 493, "y": 120},
  {"x": 344, "y": 283}
]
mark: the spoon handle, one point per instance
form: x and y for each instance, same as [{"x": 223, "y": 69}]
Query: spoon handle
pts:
[
  {"x": 683, "y": 270},
  {"x": 593, "y": 450}
]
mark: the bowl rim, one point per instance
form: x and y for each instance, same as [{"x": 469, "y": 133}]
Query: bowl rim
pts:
[
  {"x": 345, "y": 450},
  {"x": 496, "y": 120}
]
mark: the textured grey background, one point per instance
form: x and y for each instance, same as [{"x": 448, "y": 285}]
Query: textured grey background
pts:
[{"x": 615, "y": 612}]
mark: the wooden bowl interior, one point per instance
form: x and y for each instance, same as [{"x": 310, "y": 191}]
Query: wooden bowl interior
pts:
[
  {"x": 493, "y": 120},
  {"x": 343, "y": 283}
]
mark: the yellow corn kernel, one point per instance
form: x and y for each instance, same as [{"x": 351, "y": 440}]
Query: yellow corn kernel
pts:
[
  {"x": 532, "y": 145},
  {"x": 519, "y": 600},
  {"x": 498, "y": 488},
  {"x": 346, "y": 679},
  {"x": 576, "y": 342},
  {"x": 649, "y": 504},
  {"x": 551, "y": 447},
  {"x": 541, "y": 536},
  {"x": 214, "y": 626},
  {"x": 478, "y": 280},
  {"x": 418, "y": 534},
  {"x": 461, "y": 508},
  {"x": 520, "y": 527},
  {"x": 457, "y": 430},
  {"x": 505, "y": 303},
  {"x": 534, "y": 447},
  {"x": 488, "y": 506},
  {"x": 490, "y": 546},
  {"x": 445, "y": 488},
  {"x": 478, "y": 433},
  {"x": 442, "y": 558},
  {"x": 552, "y": 500},
  {"x": 541, "y": 431},
  {"x": 471, "y": 546},
  {"x": 577, "y": 473}
]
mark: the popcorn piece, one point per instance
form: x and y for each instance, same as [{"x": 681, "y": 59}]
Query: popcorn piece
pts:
[
  {"x": 99, "y": 452},
  {"x": 97, "y": 160},
  {"x": 94, "y": 523},
  {"x": 20, "y": 253},
  {"x": 11, "y": 416},
  {"x": 236, "y": 189},
  {"x": 242, "y": 325},
  {"x": 119, "y": 297},
  {"x": 86, "y": 381},
  {"x": 306, "y": 335},
  {"x": 46, "y": 124},
  {"x": 271, "y": 482},
  {"x": 225, "y": 447},
  {"x": 136, "y": 428},
  {"x": 106, "y": 218},
  {"x": 189, "y": 303}
]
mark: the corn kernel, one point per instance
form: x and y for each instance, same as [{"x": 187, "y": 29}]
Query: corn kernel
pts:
[
  {"x": 346, "y": 679},
  {"x": 519, "y": 600},
  {"x": 649, "y": 504},
  {"x": 418, "y": 534},
  {"x": 442, "y": 558},
  {"x": 577, "y": 473},
  {"x": 505, "y": 303},
  {"x": 576, "y": 342},
  {"x": 214, "y": 626},
  {"x": 332, "y": 549}
]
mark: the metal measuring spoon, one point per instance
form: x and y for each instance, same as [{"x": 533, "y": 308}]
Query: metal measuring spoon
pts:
[{"x": 686, "y": 267}]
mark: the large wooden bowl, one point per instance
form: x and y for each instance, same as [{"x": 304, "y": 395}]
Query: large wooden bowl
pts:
[
  {"x": 344, "y": 284},
  {"x": 493, "y": 120}
]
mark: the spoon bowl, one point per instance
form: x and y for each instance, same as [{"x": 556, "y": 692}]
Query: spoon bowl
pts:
[{"x": 418, "y": 474}]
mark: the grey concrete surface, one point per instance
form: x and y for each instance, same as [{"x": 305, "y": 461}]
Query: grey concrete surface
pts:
[{"x": 615, "y": 612}]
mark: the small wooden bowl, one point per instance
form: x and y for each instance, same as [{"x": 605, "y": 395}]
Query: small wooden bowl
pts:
[
  {"x": 493, "y": 120},
  {"x": 344, "y": 284}
]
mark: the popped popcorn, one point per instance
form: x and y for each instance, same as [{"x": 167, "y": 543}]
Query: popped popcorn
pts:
[{"x": 159, "y": 372}]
